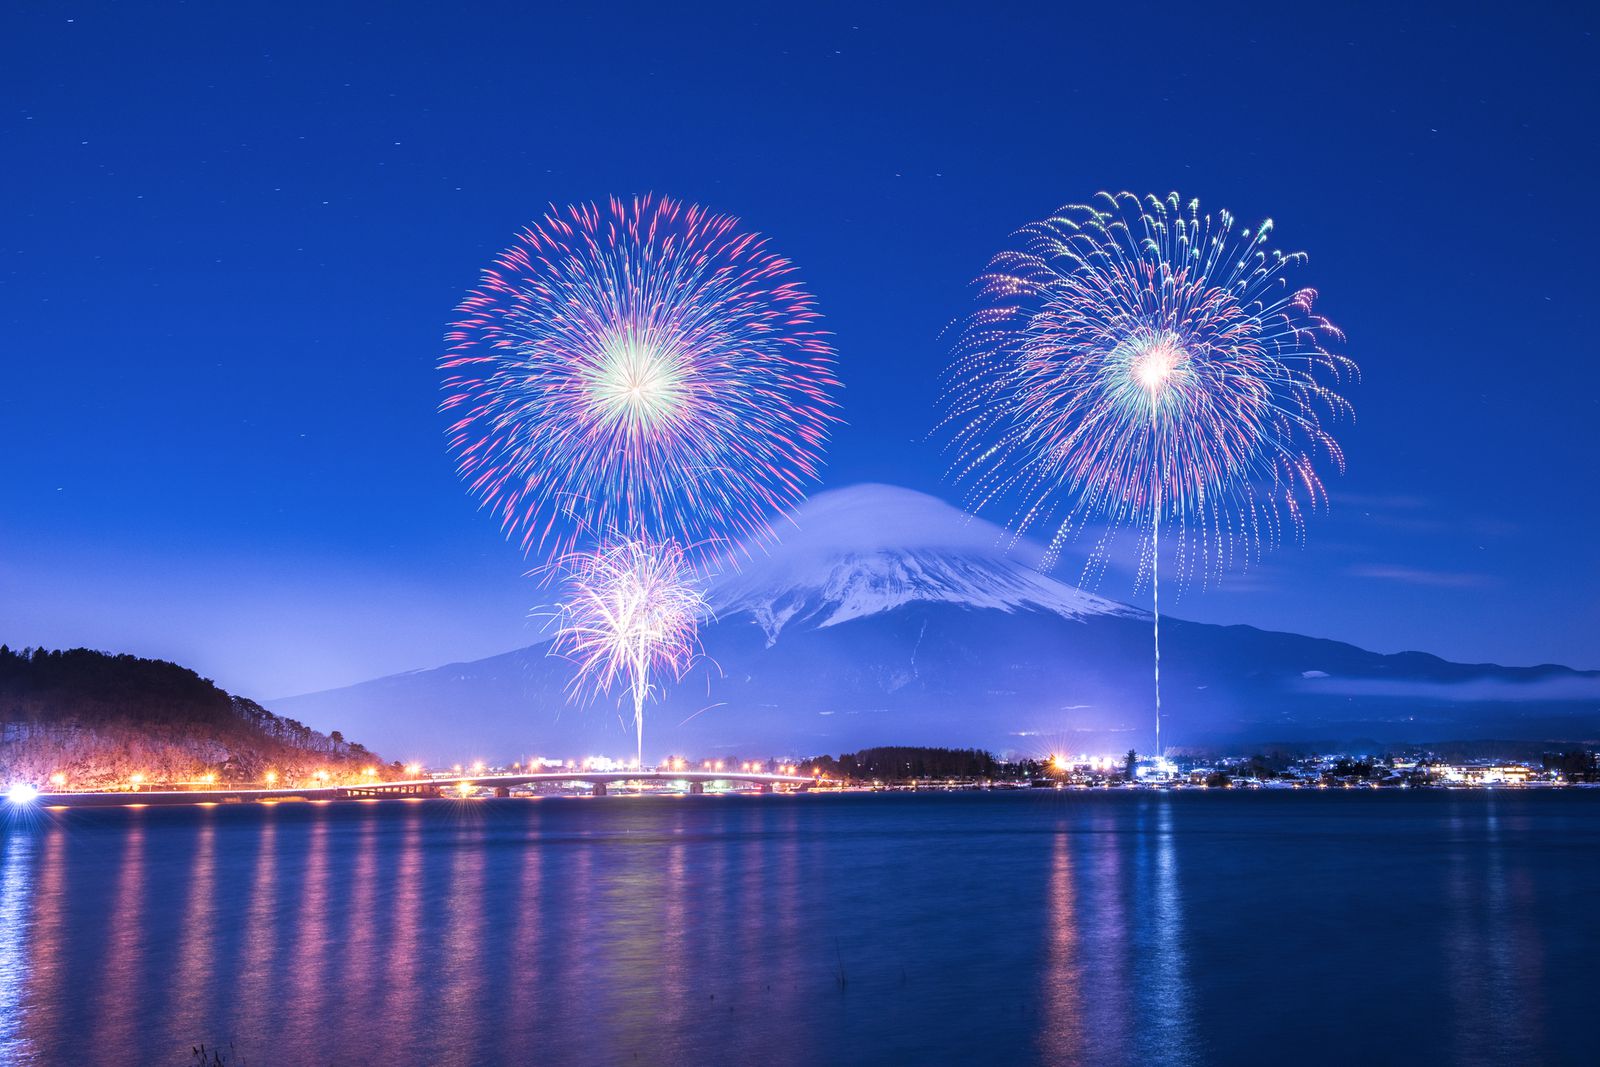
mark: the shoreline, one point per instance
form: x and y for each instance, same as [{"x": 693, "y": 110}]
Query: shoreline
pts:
[{"x": 321, "y": 797}]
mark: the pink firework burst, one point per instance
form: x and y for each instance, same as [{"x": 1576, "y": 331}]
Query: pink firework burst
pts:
[
  {"x": 650, "y": 368},
  {"x": 1140, "y": 364}
]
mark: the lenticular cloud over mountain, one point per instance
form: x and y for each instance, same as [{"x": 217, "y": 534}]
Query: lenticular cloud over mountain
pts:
[{"x": 887, "y": 616}]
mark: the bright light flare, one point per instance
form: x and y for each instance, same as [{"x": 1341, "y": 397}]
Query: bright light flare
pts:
[
  {"x": 1155, "y": 363},
  {"x": 21, "y": 793}
]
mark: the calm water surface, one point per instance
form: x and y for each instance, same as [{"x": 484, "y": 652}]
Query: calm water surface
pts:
[{"x": 1059, "y": 928}]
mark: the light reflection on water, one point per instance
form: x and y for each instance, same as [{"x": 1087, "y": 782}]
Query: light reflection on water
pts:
[{"x": 1031, "y": 928}]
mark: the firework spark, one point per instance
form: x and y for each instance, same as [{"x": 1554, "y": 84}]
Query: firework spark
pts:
[
  {"x": 1139, "y": 364},
  {"x": 651, "y": 368},
  {"x": 631, "y": 613}
]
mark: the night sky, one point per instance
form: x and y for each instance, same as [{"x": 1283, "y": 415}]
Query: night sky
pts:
[{"x": 233, "y": 235}]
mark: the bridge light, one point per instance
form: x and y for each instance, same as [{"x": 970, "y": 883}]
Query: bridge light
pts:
[
  {"x": 58, "y": 779},
  {"x": 321, "y": 776},
  {"x": 413, "y": 769},
  {"x": 271, "y": 777},
  {"x": 136, "y": 780}
]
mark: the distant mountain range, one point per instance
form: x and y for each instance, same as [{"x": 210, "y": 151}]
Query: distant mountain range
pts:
[{"x": 888, "y": 617}]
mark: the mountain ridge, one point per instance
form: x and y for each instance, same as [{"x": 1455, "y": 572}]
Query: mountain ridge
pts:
[{"x": 885, "y": 616}]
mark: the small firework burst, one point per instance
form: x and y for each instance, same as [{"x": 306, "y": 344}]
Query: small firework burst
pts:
[{"x": 631, "y": 613}]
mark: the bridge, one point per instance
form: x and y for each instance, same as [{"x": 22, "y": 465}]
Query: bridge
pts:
[
  {"x": 693, "y": 782},
  {"x": 502, "y": 784}
]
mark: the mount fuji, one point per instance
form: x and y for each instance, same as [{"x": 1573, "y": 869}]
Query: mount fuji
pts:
[{"x": 886, "y": 616}]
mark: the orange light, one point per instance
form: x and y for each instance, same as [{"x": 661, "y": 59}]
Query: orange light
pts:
[
  {"x": 271, "y": 777},
  {"x": 58, "y": 779}
]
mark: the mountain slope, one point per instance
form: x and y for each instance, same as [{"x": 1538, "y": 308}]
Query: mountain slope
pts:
[
  {"x": 96, "y": 719},
  {"x": 886, "y": 616}
]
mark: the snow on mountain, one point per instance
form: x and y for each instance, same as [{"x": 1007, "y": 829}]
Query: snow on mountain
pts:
[{"x": 870, "y": 549}]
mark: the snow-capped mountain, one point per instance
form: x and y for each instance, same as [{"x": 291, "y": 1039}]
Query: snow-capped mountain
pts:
[
  {"x": 872, "y": 549},
  {"x": 885, "y": 616}
]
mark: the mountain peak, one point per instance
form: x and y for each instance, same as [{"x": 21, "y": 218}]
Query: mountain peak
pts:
[
  {"x": 873, "y": 515},
  {"x": 851, "y": 553}
]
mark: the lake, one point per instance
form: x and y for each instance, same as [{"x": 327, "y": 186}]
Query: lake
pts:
[{"x": 1036, "y": 927}]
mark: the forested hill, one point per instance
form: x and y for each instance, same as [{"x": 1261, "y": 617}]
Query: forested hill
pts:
[{"x": 98, "y": 719}]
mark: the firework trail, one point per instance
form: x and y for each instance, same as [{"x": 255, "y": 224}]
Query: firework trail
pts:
[
  {"x": 631, "y": 612},
  {"x": 649, "y": 368},
  {"x": 1138, "y": 364}
]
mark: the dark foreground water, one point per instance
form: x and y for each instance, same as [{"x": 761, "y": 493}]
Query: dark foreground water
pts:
[{"x": 1108, "y": 928}]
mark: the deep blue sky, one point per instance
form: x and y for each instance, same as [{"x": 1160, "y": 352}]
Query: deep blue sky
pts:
[{"x": 233, "y": 234}]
